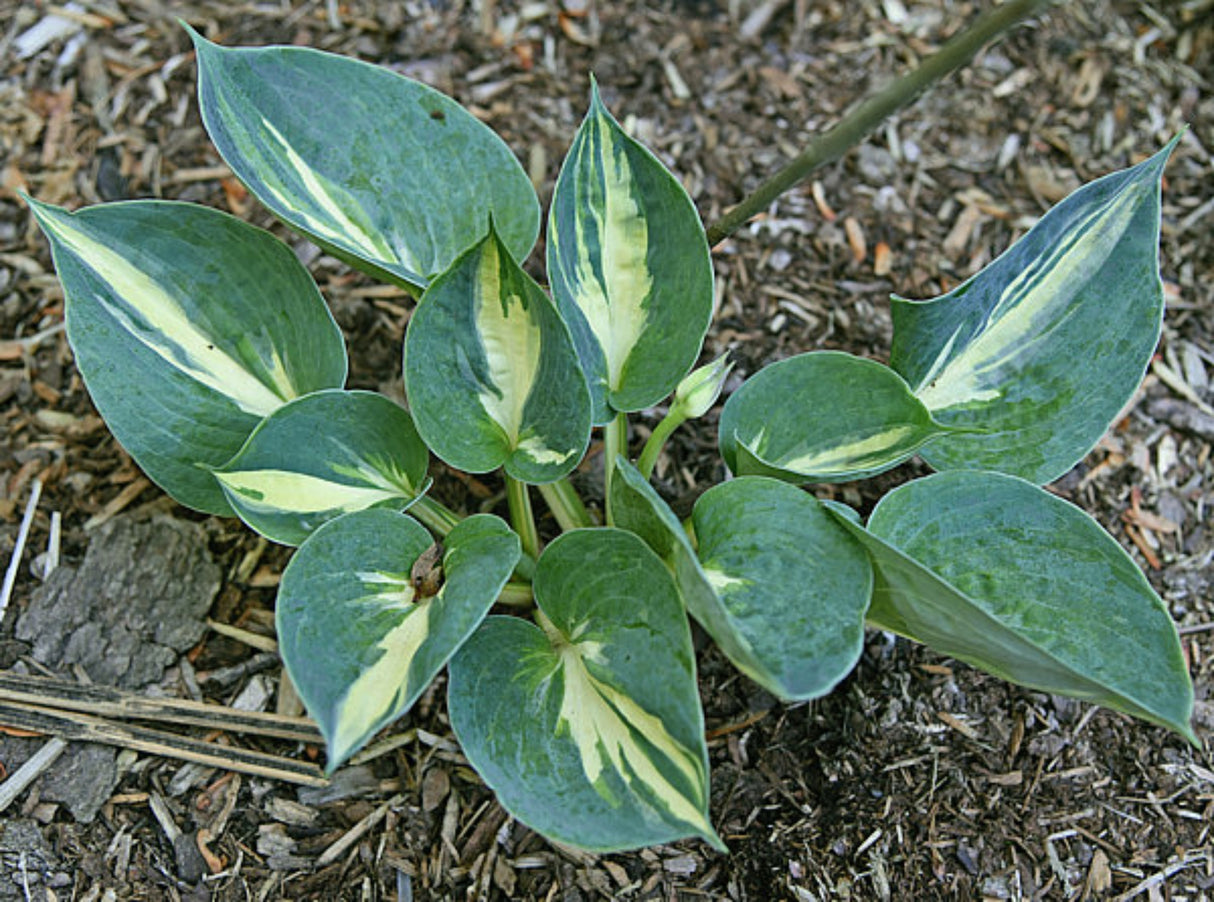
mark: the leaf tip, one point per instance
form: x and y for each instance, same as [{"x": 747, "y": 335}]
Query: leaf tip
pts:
[
  {"x": 713, "y": 838},
  {"x": 199, "y": 42}
]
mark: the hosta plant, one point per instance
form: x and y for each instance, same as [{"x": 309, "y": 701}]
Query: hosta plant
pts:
[{"x": 571, "y": 672}]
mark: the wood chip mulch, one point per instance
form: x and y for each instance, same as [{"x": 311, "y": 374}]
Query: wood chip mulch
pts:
[{"x": 919, "y": 778}]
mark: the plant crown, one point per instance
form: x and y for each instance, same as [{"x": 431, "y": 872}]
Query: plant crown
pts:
[{"x": 580, "y": 708}]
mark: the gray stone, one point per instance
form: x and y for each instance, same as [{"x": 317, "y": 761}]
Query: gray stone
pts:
[{"x": 137, "y": 601}]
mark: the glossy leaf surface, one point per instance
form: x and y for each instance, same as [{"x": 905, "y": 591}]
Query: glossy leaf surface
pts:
[
  {"x": 1001, "y": 574},
  {"x": 321, "y": 456},
  {"x": 358, "y": 640},
  {"x": 1041, "y": 349},
  {"x": 590, "y": 729},
  {"x": 491, "y": 372},
  {"x": 824, "y": 416},
  {"x": 215, "y": 320},
  {"x": 629, "y": 266},
  {"x": 388, "y": 173}
]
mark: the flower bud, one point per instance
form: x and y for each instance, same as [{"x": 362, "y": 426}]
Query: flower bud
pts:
[{"x": 700, "y": 388}]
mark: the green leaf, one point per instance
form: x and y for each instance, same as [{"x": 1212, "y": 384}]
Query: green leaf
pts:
[
  {"x": 388, "y": 173},
  {"x": 1040, "y": 350},
  {"x": 491, "y": 372},
  {"x": 189, "y": 326},
  {"x": 1003, "y": 575},
  {"x": 323, "y": 455},
  {"x": 793, "y": 583},
  {"x": 629, "y": 265},
  {"x": 590, "y": 729},
  {"x": 358, "y": 640},
  {"x": 824, "y": 416},
  {"x": 779, "y": 586}
]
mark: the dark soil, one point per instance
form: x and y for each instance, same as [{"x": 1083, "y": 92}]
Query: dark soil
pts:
[{"x": 918, "y": 778}]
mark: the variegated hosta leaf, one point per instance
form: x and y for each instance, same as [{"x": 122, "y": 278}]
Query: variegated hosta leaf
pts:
[
  {"x": 1001, "y": 574},
  {"x": 321, "y": 456},
  {"x": 779, "y": 586},
  {"x": 360, "y": 637},
  {"x": 1040, "y": 350},
  {"x": 795, "y": 586},
  {"x": 629, "y": 265},
  {"x": 189, "y": 326},
  {"x": 492, "y": 374},
  {"x": 590, "y": 729},
  {"x": 387, "y": 173},
  {"x": 824, "y": 416}
]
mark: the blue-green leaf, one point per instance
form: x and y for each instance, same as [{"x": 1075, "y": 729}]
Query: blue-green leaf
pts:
[
  {"x": 388, "y": 173},
  {"x": 794, "y": 585},
  {"x": 824, "y": 416},
  {"x": 189, "y": 326},
  {"x": 629, "y": 265},
  {"x": 491, "y": 372},
  {"x": 323, "y": 455},
  {"x": 1038, "y": 352},
  {"x": 779, "y": 586},
  {"x": 359, "y": 638},
  {"x": 589, "y": 730},
  {"x": 999, "y": 573}
]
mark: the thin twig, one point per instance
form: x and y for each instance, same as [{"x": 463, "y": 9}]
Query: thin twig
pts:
[
  {"x": 11, "y": 788},
  {"x": 74, "y": 726},
  {"x": 357, "y": 832},
  {"x": 14, "y": 564},
  {"x": 865, "y": 118},
  {"x": 106, "y": 701}
]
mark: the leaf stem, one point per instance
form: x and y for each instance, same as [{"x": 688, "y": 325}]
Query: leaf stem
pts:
[
  {"x": 566, "y": 505},
  {"x": 615, "y": 441},
  {"x": 516, "y": 595},
  {"x": 863, "y": 119},
  {"x": 657, "y": 441},
  {"x": 521, "y": 516},
  {"x": 435, "y": 515}
]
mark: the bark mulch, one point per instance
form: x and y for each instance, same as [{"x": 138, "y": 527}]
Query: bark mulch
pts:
[{"x": 918, "y": 778}]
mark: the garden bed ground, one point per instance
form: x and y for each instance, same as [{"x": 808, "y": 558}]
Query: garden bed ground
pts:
[{"x": 919, "y": 778}]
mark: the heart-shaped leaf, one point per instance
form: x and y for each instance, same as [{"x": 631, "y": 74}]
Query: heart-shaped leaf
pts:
[
  {"x": 1001, "y": 574},
  {"x": 491, "y": 372},
  {"x": 214, "y": 319},
  {"x": 590, "y": 730},
  {"x": 794, "y": 585},
  {"x": 779, "y": 586},
  {"x": 1040, "y": 350},
  {"x": 323, "y": 455},
  {"x": 360, "y": 637},
  {"x": 824, "y": 416},
  {"x": 387, "y": 173},
  {"x": 629, "y": 265}
]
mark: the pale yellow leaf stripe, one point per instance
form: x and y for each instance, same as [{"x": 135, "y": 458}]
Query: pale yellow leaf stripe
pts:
[
  {"x": 613, "y": 296},
  {"x": 341, "y": 229},
  {"x": 841, "y": 458},
  {"x": 604, "y": 724},
  {"x": 277, "y": 491},
  {"x": 1034, "y": 304},
  {"x": 380, "y": 688},
  {"x": 166, "y": 328},
  {"x": 513, "y": 341},
  {"x": 722, "y": 583}
]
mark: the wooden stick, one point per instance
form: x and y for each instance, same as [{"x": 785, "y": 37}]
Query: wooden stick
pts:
[
  {"x": 72, "y": 725},
  {"x": 105, "y": 701}
]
